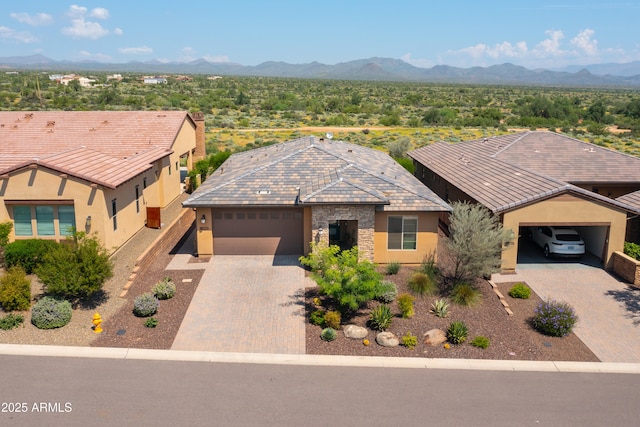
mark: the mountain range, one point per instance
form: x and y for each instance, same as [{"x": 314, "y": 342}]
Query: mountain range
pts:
[{"x": 376, "y": 69}]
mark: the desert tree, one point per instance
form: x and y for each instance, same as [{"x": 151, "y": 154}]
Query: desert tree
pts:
[{"x": 476, "y": 241}]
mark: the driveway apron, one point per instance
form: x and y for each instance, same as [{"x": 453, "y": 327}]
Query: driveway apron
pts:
[
  {"x": 247, "y": 304},
  {"x": 608, "y": 309}
]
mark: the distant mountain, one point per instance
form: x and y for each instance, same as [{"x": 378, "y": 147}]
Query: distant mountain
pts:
[
  {"x": 627, "y": 69},
  {"x": 375, "y": 69}
]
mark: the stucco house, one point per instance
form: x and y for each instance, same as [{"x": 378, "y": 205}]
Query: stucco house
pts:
[
  {"x": 277, "y": 199},
  {"x": 538, "y": 178},
  {"x": 92, "y": 171}
]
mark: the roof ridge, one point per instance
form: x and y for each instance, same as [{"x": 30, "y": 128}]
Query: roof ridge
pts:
[
  {"x": 522, "y": 135},
  {"x": 349, "y": 182}
]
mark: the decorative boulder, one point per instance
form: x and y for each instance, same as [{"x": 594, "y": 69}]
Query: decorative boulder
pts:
[
  {"x": 355, "y": 332},
  {"x": 387, "y": 339},
  {"x": 434, "y": 337}
]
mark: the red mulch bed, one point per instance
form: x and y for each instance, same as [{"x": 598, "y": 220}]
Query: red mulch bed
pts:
[{"x": 511, "y": 337}]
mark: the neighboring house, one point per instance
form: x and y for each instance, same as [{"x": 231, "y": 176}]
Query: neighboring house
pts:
[
  {"x": 277, "y": 199},
  {"x": 154, "y": 80},
  {"x": 93, "y": 171},
  {"x": 538, "y": 178},
  {"x": 633, "y": 225}
]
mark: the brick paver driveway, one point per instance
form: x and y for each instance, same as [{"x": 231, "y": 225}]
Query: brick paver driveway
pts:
[
  {"x": 608, "y": 309},
  {"x": 247, "y": 304}
]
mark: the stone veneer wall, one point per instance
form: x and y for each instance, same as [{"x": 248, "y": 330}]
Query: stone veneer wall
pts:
[
  {"x": 321, "y": 216},
  {"x": 627, "y": 268}
]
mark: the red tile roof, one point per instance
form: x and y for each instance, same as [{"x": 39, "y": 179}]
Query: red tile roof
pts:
[{"x": 103, "y": 147}]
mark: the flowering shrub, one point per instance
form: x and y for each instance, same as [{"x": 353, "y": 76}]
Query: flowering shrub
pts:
[
  {"x": 50, "y": 313},
  {"x": 145, "y": 305},
  {"x": 554, "y": 318},
  {"x": 164, "y": 289}
]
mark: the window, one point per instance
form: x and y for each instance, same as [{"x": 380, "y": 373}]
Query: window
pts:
[
  {"x": 114, "y": 211},
  {"x": 144, "y": 182},
  {"x": 137, "y": 199},
  {"x": 22, "y": 220},
  {"x": 402, "y": 233},
  {"x": 45, "y": 217},
  {"x": 66, "y": 220},
  {"x": 44, "y": 221}
]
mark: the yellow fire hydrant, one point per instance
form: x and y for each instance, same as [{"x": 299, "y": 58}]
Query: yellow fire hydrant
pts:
[{"x": 97, "y": 323}]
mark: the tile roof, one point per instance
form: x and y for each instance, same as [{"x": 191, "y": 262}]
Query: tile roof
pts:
[
  {"x": 311, "y": 171},
  {"x": 103, "y": 147},
  {"x": 632, "y": 199},
  {"x": 479, "y": 169}
]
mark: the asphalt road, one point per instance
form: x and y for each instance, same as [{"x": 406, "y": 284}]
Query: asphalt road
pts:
[{"x": 58, "y": 391}]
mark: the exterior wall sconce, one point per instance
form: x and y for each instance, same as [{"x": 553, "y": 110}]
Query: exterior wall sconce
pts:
[
  {"x": 320, "y": 231},
  {"x": 88, "y": 222},
  {"x": 203, "y": 219}
]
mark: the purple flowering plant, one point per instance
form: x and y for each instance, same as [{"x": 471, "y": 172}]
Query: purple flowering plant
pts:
[{"x": 554, "y": 318}]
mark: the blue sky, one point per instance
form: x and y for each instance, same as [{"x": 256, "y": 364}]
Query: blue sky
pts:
[{"x": 535, "y": 34}]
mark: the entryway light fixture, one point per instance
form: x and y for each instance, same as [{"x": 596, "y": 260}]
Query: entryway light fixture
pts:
[
  {"x": 203, "y": 219},
  {"x": 88, "y": 222}
]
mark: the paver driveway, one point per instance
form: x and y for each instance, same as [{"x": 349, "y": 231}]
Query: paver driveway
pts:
[
  {"x": 247, "y": 304},
  {"x": 608, "y": 309}
]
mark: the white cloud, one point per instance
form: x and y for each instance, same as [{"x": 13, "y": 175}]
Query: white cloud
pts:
[
  {"x": 550, "y": 46},
  {"x": 33, "y": 20},
  {"x": 81, "y": 28},
  {"x": 100, "y": 13},
  {"x": 11, "y": 35},
  {"x": 216, "y": 58},
  {"x": 584, "y": 42},
  {"x": 142, "y": 50},
  {"x": 118, "y": 31},
  {"x": 94, "y": 56},
  {"x": 76, "y": 11}
]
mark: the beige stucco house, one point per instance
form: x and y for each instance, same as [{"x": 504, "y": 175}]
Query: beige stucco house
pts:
[
  {"x": 538, "y": 178},
  {"x": 93, "y": 171},
  {"x": 277, "y": 199}
]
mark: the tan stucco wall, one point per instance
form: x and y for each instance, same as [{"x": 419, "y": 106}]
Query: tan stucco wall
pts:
[
  {"x": 427, "y": 241},
  {"x": 204, "y": 234},
  {"x": 565, "y": 210}
]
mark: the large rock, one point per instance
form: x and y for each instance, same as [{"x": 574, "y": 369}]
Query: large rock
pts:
[
  {"x": 355, "y": 332},
  {"x": 434, "y": 337},
  {"x": 387, "y": 339}
]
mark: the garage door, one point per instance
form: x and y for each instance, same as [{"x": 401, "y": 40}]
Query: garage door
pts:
[{"x": 258, "y": 232}]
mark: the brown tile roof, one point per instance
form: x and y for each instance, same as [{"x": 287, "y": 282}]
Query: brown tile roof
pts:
[
  {"x": 310, "y": 171},
  {"x": 632, "y": 199},
  {"x": 477, "y": 168},
  {"x": 103, "y": 147}
]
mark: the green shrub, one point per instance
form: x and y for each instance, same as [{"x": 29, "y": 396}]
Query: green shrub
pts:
[
  {"x": 429, "y": 267},
  {"x": 151, "y": 322},
  {"x": 77, "y": 268},
  {"x": 387, "y": 292},
  {"x": 164, "y": 289},
  {"x": 480, "y": 342},
  {"x": 145, "y": 305},
  {"x": 520, "y": 290},
  {"x": 328, "y": 334},
  {"x": 340, "y": 274},
  {"x": 465, "y": 294},
  {"x": 27, "y": 253},
  {"x": 405, "y": 304},
  {"x": 15, "y": 290},
  {"x": 317, "y": 318},
  {"x": 332, "y": 319},
  {"x": 5, "y": 230},
  {"x": 11, "y": 321},
  {"x": 440, "y": 308},
  {"x": 632, "y": 249},
  {"x": 554, "y": 318},
  {"x": 381, "y": 317},
  {"x": 422, "y": 284},
  {"x": 49, "y": 313},
  {"x": 457, "y": 332},
  {"x": 393, "y": 268},
  {"x": 409, "y": 340}
]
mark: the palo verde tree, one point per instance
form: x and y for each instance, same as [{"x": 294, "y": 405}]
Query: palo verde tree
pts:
[
  {"x": 476, "y": 241},
  {"x": 76, "y": 268}
]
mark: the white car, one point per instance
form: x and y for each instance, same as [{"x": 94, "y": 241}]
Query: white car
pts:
[{"x": 560, "y": 241}]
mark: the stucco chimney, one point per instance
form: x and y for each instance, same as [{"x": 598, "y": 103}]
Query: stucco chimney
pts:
[{"x": 200, "y": 151}]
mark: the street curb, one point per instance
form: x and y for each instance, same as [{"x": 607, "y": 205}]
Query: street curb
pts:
[{"x": 318, "y": 360}]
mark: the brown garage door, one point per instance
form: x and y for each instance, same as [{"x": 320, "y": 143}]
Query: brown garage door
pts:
[{"x": 257, "y": 232}]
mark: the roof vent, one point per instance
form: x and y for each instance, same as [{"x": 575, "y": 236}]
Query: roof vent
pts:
[
  {"x": 263, "y": 192},
  {"x": 51, "y": 123}
]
